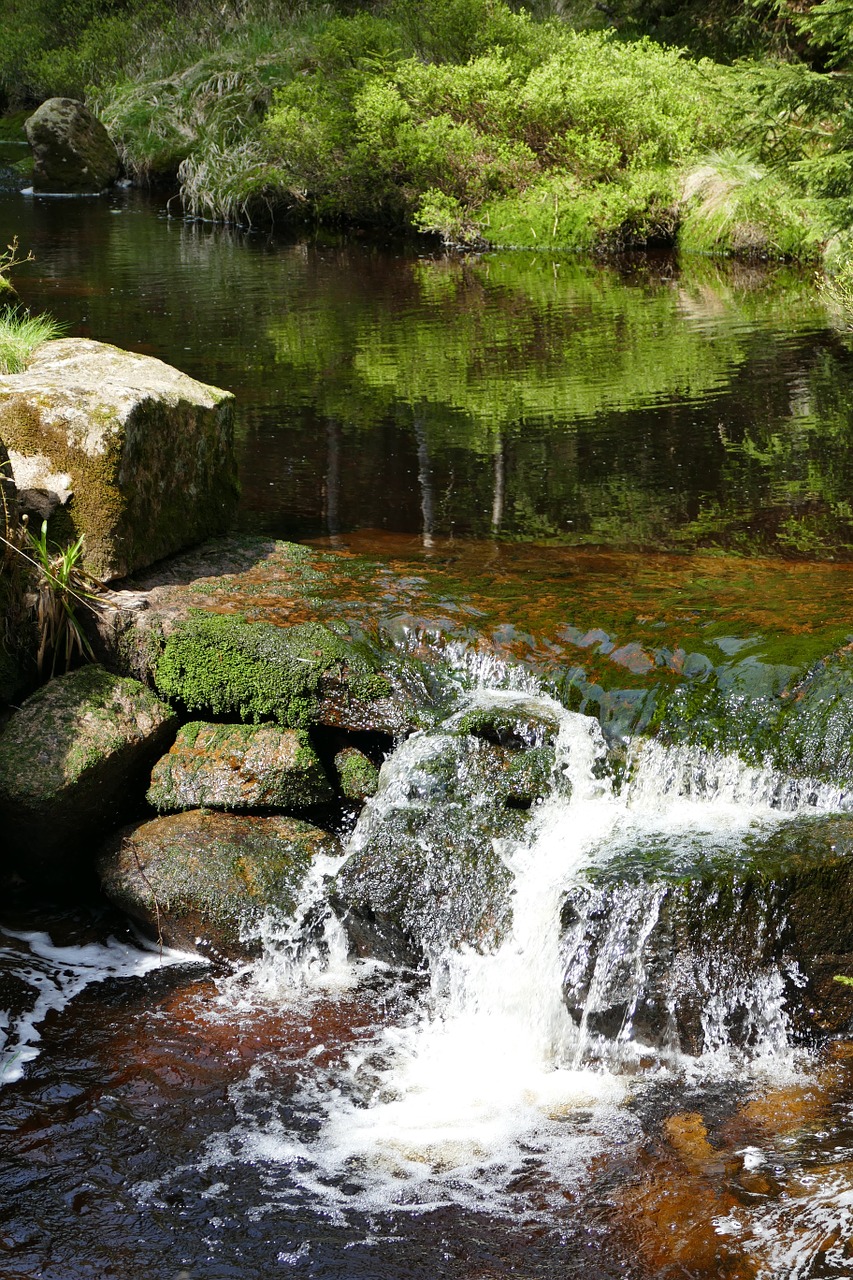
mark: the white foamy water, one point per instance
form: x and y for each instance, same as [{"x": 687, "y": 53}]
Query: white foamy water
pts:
[
  {"x": 50, "y": 976},
  {"x": 492, "y": 1076}
]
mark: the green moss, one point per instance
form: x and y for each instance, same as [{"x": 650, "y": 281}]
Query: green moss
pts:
[
  {"x": 358, "y": 776},
  {"x": 224, "y": 665}
]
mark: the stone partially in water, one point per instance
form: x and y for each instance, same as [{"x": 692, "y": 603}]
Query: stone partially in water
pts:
[
  {"x": 73, "y": 762},
  {"x": 742, "y": 955},
  {"x": 426, "y": 872},
  {"x": 148, "y": 451},
  {"x": 297, "y": 676},
  {"x": 72, "y": 150},
  {"x": 199, "y": 880},
  {"x": 233, "y": 766}
]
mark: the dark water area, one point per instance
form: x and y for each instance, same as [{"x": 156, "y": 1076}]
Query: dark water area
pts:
[{"x": 576, "y": 457}]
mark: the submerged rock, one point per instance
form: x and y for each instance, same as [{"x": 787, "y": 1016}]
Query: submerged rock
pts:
[
  {"x": 297, "y": 676},
  {"x": 427, "y": 871},
  {"x": 233, "y": 766},
  {"x": 72, "y": 150},
  {"x": 73, "y": 763},
  {"x": 200, "y": 881},
  {"x": 147, "y": 451}
]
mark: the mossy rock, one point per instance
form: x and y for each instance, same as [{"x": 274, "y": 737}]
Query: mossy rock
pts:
[
  {"x": 233, "y": 766},
  {"x": 426, "y": 872},
  {"x": 358, "y": 776},
  {"x": 202, "y": 881},
  {"x": 8, "y": 294},
  {"x": 74, "y": 761},
  {"x": 72, "y": 150},
  {"x": 149, "y": 451},
  {"x": 297, "y": 676},
  {"x": 696, "y": 960}
]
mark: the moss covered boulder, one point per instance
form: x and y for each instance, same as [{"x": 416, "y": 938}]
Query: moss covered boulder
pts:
[
  {"x": 202, "y": 881},
  {"x": 234, "y": 766},
  {"x": 308, "y": 674},
  {"x": 427, "y": 871},
  {"x": 148, "y": 451},
  {"x": 74, "y": 761},
  {"x": 72, "y": 150}
]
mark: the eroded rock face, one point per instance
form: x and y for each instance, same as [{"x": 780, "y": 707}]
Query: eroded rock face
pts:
[
  {"x": 73, "y": 762},
  {"x": 202, "y": 880},
  {"x": 234, "y": 766},
  {"x": 147, "y": 451},
  {"x": 72, "y": 150}
]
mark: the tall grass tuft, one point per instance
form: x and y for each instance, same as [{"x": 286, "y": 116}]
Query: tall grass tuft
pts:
[{"x": 20, "y": 335}]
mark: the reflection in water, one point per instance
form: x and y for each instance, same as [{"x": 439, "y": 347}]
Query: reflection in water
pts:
[{"x": 641, "y": 403}]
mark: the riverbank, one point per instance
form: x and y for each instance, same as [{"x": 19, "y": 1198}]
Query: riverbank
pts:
[{"x": 477, "y": 124}]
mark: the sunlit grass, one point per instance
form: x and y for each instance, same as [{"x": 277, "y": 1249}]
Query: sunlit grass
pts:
[{"x": 19, "y": 337}]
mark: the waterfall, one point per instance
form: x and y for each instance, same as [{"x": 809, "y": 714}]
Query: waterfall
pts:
[{"x": 519, "y": 1056}]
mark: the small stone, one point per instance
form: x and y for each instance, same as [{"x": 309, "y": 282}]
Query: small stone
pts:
[{"x": 358, "y": 777}]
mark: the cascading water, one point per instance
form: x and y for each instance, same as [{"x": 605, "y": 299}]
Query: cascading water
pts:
[{"x": 503, "y": 1069}]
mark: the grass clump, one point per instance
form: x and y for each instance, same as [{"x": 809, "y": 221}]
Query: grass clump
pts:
[{"x": 20, "y": 335}]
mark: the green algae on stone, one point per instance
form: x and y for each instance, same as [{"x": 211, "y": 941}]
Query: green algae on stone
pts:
[
  {"x": 204, "y": 880},
  {"x": 358, "y": 777},
  {"x": 232, "y": 766},
  {"x": 297, "y": 676},
  {"x": 73, "y": 761}
]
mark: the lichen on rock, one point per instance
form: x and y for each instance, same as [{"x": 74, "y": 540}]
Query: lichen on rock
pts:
[
  {"x": 233, "y": 766},
  {"x": 73, "y": 762},
  {"x": 296, "y": 676},
  {"x": 201, "y": 880},
  {"x": 72, "y": 150},
  {"x": 148, "y": 451}
]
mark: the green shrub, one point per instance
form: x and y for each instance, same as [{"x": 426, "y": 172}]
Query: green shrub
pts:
[{"x": 20, "y": 335}]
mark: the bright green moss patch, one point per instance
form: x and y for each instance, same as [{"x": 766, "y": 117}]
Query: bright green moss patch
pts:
[{"x": 226, "y": 666}]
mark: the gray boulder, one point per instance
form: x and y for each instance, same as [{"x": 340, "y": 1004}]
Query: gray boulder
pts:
[
  {"x": 147, "y": 451},
  {"x": 237, "y": 766},
  {"x": 73, "y": 763},
  {"x": 72, "y": 150},
  {"x": 201, "y": 881}
]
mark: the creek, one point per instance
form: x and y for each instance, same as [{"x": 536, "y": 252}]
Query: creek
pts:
[{"x": 549, "y": 461}]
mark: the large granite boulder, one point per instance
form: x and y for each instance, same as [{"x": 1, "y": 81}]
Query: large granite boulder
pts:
[
  {"x": 72, "y": 150},
  {"x": 202, "y": 881},
  {"x": 238, "y": 766},
  {"x": 147, "y": 451},
  {"x": 73, "y": 764}
]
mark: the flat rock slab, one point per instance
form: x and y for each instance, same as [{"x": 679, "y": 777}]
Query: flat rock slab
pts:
[
  {"x": 201, "y": 881},
  {"x": 73, "y": 762},
  {"x": 147, "y": 451},
  {"x": 234, "y": 766},
  {"x": 72, "y": 151}
]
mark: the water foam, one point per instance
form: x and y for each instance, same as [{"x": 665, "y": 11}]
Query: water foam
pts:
[{"x": 51, "y": 976}]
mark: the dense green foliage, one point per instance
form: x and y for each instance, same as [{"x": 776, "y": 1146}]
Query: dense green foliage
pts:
[
  {"x": 474, "y": 119},
  {"x": 20, "y": 334}
]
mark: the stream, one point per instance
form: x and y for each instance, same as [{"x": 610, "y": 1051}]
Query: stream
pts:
[{"x": 609, "y": 460}]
